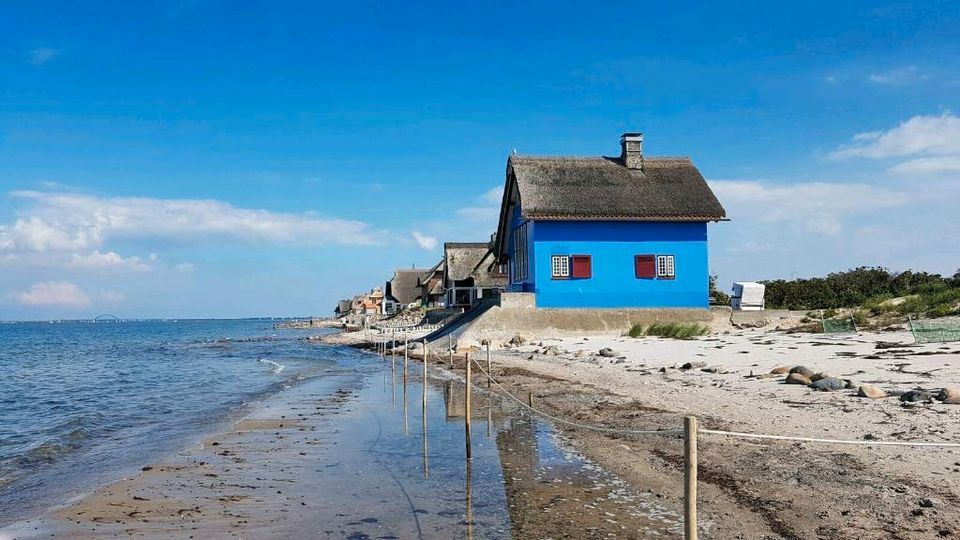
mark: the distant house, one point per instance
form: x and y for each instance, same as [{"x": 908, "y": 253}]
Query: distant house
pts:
[
  {"x": 470, "y": 273},
  {"x": 402, "y": 290},
  {"x": 368, "y": 304},
  {"x": 627, "y": 231},
  {"x": 432, "y": 293},
  {"x": 344, "y": 308}
]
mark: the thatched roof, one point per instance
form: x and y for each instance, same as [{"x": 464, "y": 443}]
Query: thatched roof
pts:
[
  {"x": 464, "y": 260},
  {"x": 436, "y": 271},
  {"x": 403, "y": 286},
  {"x": 602, "y": 188}
]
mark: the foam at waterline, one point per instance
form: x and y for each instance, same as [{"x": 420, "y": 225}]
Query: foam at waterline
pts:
[{"x": 277, "y": 368}]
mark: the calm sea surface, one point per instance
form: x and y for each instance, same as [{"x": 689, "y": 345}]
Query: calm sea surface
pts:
[{"x": 84, "y": 403}]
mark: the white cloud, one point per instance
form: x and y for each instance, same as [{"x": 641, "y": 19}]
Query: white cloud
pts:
[
  {"x": 488, "y": 211},
  {"x": 814, "y": 206},
  {"x": 425, "y": 242},
  {"x": 76, "y": 223},
  {"x": 494, "y": 196},
  {"x": 53, "y": 293},
  {"x": 42, "y": 55},
  {"x": 110, "y": 259},
  {"x": 918, "y": 136},
  {"x": 929, "y": 165},
  {"x": 898, "y": 76}
]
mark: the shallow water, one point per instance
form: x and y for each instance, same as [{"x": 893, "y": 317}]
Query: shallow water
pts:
[
  {"x": 396, "y": 472},
  {"x": 82, "y": 403},
  {"x": 371, "y": 461}
]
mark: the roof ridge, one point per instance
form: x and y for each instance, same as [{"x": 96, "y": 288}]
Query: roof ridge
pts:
[{"x": 598, "y": 158}]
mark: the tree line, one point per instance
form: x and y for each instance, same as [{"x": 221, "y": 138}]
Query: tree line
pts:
[{"x": 866, "y": 286}]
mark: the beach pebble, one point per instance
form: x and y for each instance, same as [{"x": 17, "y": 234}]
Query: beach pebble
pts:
[
  {"x": 693, "y": 365},
  {"x": 870, "y": 391},
  {"x": 607, "y": 352},
  {"x": 798, "y": 378},
  {"x": 517, "y": 340},
  {"x": 828, "y": 384},
  {"x": 802, "y": 370},
  {"x": 714, "y": 369},
  {"x": 950, "y": 396},
  {"x": 780, "y": 370},
  {"x": 552, "y": 350},
  {"x": 821, "y": 375},
  {"x": 914, "y": 396}
]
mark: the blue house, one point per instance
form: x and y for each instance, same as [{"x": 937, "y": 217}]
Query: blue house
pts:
[{"x": 607, "y": 232}]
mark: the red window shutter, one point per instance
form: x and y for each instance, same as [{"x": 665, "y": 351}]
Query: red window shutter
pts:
[
  {"x": 580, "y": 266},
  {"x": 646, "y": 266}
]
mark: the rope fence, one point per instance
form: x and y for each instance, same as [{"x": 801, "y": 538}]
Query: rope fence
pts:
[{"x": 690, "y": 430}]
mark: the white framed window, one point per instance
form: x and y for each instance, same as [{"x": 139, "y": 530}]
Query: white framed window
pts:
[
  {"x": 666, "y": 267},
  {"x": 560, "y": 266}
]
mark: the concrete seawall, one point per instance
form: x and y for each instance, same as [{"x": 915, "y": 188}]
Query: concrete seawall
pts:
[{"x": 517, "y": 314}]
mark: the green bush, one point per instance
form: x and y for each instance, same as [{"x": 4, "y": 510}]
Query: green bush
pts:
[
  {"x": 635, "y": 331},
  {"x": 869, "y": 287}
]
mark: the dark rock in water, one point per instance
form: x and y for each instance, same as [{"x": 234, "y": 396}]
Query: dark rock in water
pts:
[
  {"x": 916, "y": 396},
  {"x": 607, "y": 352},
  {"x": 693, "y": 365},
  {"x": 828, "y": 384},
  {"x": 798, "y": 378},
  {"x": 802, "y": 370}
]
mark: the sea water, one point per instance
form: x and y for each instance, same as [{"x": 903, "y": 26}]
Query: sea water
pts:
[{"x": 84, "y": 403}]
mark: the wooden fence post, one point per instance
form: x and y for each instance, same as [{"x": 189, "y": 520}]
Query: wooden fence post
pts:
[
  {"x": 467, "y": 417},
  {"x": 690, "y": 478},
  {"x": 489, "y": 369}
]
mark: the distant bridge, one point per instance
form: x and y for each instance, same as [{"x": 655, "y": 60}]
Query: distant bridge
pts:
[{"x": 106, "y": 317}]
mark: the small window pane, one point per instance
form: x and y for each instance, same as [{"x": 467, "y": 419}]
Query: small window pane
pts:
[{"x": 560, "y": 266}]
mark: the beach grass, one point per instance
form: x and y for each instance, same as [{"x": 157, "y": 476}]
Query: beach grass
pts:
[{"x": 670, "y": 330}]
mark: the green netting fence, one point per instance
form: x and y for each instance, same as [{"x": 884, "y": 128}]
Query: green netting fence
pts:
[
  {"x": 935, "y": 330},
  {"x": 839, "y": 326}
]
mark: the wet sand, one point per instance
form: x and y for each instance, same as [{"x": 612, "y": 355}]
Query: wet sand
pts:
[{"x": 355, "y": 455}]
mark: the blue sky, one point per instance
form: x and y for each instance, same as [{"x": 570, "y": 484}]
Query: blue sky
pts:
[{"x": 200, "y": 158}]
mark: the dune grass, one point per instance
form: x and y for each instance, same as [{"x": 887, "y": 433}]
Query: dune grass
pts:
[{"x": 670, "y": 330}]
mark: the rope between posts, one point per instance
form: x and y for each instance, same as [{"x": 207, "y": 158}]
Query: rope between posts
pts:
[
  {"x": 719, "y": 432},
  {"x": 577, "y": 424},
  {"x": 828, "y": 441}
]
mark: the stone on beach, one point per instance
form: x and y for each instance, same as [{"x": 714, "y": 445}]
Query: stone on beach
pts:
[
  {"x": 803, "y": 370},
  {"x": 821, "y": 375},
  {"x": 693, "y": 365},
  {"x": 798, "y": 378},
  {"x": 950, "y": 396},
  {"x": 914, "y": 396},
  {"x": 607, "y": 352},
  {"x": 828, "y": 384},
  {"x": 870, "y": 391},
  {"x": 780, "y": 370}
]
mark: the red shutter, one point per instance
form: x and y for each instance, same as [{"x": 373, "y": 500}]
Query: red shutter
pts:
[
  {"x": 580, "y": 266},
  {"x": 646, "y": 266}
]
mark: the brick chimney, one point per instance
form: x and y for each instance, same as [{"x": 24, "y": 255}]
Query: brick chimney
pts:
[{"x": 631, "y": 150}]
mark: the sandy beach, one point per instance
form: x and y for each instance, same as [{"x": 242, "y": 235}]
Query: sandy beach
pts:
[{"x": 757, "y": 489}]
